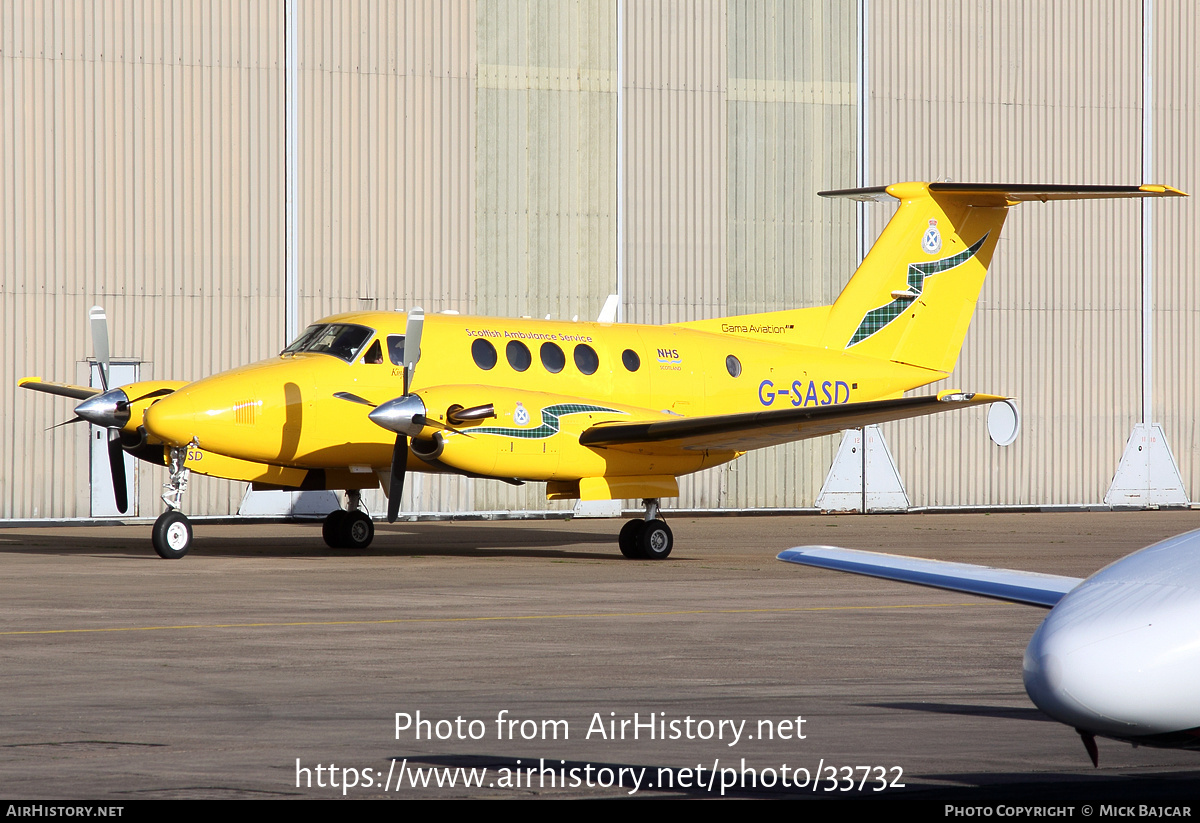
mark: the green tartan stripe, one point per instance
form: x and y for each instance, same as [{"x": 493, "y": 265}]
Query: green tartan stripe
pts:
[
  {"x": 877, "y": 318},
  {"x": 550, "y": 421}
]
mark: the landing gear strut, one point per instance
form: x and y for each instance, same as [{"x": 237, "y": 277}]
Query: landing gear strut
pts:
[
  {"x": 172, "y": 534},
  {"x": 349, "y": 528},
  {"x": 649, "y": 538}
]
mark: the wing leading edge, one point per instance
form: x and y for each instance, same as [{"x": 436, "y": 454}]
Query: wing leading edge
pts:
[
  {"x": 756, "y": 430},
  {"x": 1030, "y": 588}
]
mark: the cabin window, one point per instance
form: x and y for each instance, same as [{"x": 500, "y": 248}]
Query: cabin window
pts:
[
  {"x": 733, "y": 366},
  {"x": 586, "y": 359},
  {"x": 553, "y": 358},
  {"x": 483, "y": 353},
  {"x": 631, "y": 360},
  {"x": 518, "y": 355}
]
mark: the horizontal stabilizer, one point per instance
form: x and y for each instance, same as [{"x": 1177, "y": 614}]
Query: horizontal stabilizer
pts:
[
  {"x": 1030, "y": 588},
  {"x": 756, "y": 430},
  {"x": 1013, "y": 192},
  {"x": 61, "y": 389}
]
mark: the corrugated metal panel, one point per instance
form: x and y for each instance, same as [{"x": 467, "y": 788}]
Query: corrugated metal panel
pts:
[
  {"x": 386, "y": 162},
  {"x": 675, "y": 160},
  {"x": 791, "y": 132},
  {"x": 1004, "y": 92},
  {"x": 139, "y": 169},
  {"x": 545, "y": 145},
  {"x": 1177, "y": 236}
]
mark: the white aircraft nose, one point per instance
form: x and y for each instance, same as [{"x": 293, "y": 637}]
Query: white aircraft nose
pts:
[{"x": 1119, "y": 658}]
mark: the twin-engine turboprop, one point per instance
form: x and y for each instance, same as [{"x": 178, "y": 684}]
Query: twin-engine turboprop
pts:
[
  {"x": 1118, "y": 654},
  {"x": 597, "y": 411}
]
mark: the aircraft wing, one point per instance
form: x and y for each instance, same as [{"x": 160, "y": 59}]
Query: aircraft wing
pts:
[
  {"x": 757, "y": 430},
  {"x": 1030, "y": 588}
]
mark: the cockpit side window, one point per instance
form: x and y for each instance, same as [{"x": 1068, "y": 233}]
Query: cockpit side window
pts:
[
  {"x": 343, "y": 340},
  {"x": 374, "y": 354}
]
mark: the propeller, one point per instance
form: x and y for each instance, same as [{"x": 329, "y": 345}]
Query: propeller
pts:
[
  {"x": 412, "y": 353},
  {"x": 109, "y": 409},
  {"x": 406, "y": 415}
]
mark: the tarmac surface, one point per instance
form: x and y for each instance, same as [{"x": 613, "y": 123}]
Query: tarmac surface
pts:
[{"x": 264, "y": 660}]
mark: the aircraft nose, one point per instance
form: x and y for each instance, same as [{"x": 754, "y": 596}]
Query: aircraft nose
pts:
[
  {"x": 172, "y": 419},
  {"x": 1118, "y": 659}
]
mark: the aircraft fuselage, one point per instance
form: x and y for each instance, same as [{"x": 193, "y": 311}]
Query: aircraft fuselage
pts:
[{"x": 548, "y": 382}]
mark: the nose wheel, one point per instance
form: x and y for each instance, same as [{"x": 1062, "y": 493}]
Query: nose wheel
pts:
[
  {"x": 646, "y": 539},
  {"x": 172, "y": 536}
]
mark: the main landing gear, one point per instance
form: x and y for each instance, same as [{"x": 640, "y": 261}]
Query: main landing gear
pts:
[
  {"x": 647, "y": 539},
  {"x": 349, "y": 528},
  {"x": 172, "y": 535}
]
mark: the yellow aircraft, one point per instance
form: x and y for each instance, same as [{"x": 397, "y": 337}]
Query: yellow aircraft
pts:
[{"x": 597, "y": 411}]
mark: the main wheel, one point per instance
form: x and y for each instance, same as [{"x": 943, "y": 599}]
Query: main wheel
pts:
[
  {"x": 655, "y": 540},
  {"x": 357, "y": 531},
  {"x": 628, "y": 539},
  {"x": 172, "y": 535},
  {"x": 331, "y": 529}
]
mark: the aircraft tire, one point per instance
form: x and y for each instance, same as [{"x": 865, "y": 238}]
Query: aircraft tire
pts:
[
  {"x": 172, "y": 535},
  {"x": 655, "y": 540},
  {"x": 331, "y": 529},
  {"x": 357, "y": 531},
  {"x": 628, "y": 539}
]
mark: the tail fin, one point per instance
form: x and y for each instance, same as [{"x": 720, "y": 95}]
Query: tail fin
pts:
[{"x": 912, "y": 299}]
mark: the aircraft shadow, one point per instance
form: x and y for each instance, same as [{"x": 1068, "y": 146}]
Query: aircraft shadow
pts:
[
  {"x": 257, "y": 540},
  {"x": 1010, "y": 712}
]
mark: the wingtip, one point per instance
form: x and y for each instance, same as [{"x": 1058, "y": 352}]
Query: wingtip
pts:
[{"x": 1166, "y": 191}]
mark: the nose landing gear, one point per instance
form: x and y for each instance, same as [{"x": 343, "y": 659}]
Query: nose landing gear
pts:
[{"x": 172, "y": 534}]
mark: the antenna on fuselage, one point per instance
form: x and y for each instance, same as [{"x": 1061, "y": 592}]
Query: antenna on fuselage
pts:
[{"x": 608, "y": 314}]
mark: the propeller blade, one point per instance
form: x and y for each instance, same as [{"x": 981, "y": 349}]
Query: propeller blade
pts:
[
  {"x": 396, "y": 487},
  {"x": 116, "y": 463},
  {"x": 412, "y": 344},
  {"x": 64, "y": 423},
  {"x": 353, "y": 398},
  {"x": 100, "y": 342},
  {"x": 155, "y": 393}
]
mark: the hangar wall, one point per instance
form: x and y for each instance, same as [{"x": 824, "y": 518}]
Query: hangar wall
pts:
[
  {"x": 1049, "y": 94},
  {"x": 462, "y": 156}
]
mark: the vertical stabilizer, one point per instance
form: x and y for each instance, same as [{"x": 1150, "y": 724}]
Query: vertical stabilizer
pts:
[{"x": 912, "y": 299}]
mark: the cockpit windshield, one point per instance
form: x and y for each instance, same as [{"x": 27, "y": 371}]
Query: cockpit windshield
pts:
[{"x": 342, "y": 340}]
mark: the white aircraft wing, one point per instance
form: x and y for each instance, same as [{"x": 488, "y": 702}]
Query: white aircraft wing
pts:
[{"x": 1030, "y": 588}]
